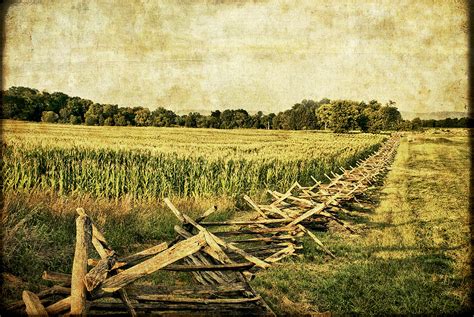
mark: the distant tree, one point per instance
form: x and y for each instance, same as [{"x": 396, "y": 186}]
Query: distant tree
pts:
[
  {"x": 391, "y": 116},
  {"x": 109, "y": 121},
  {"x": 241, "y": 118},
  {"x": 202, "y": 121},
  {"x": 108, "y": 112},
  {"x": 416, "y": 124},
  {"x": 76, "y": 107},
  {"x": 214, "y": 120},
  {"x": 343, "y": 116},
  {"x": 94, "y": 115},
  {"x": 64, "y": 115},
  {"x": 57, "y": 101},
  {"x": 162, "y": 117},
  {"x": 22, "y": 103},
  {"x": 91, "y": 119},
  {"x": 192, "y": 119},
  {"x": 227, "y": 119},
  {"x": 267, "y": 121},
  {"x": 256, "y": 120},
  {"x": 324, "y": 101},
  {"x": 120, "y": 120},
  {"x": 75, "y": 119},
  {"x": 277, "y": 121},
  {"x": 125, "y": 116},
  {"x": 323, "y": 115},
  {"x": 143, "y": 117},
  {"x": 49, "y": 116}
]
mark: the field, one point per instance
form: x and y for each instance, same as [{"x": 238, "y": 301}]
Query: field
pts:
[
  {"x": 151, "y": 163},
  {"x": 411, "y": 254}
]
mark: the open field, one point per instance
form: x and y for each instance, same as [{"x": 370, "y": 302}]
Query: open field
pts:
[
  {"x": 114, "y": 162},
  {"x": 413, "y": 252}
]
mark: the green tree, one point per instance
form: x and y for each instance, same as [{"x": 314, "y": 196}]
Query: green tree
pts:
[
  {"x": 94, "y": 115},
  {"x": 75, "y": 119},
  {"x": 416, "y": 124},
  {"x": 161, "y": 117},
  {"x": 49, "y": 116},
  {"x": 343, "y": 116},
  {"x": 142, "y": 117},
  {"x": 323, "y": 115},
  {"x": 109, "y": 121},
  {"x": 191, "y": 119}
]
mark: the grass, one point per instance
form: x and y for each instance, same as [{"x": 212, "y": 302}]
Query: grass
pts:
[
  {"x": 413, "y": 252},
  {"x": 38, "y": 232},
  {"x": 411, "y": 256},
  {"x": 151, "y": 163}
]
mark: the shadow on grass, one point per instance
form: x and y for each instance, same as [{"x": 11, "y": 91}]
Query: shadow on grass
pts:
[{"x": 421, "y": 284}]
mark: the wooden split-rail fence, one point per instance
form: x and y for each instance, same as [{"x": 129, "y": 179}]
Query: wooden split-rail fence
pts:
[{"x": 222, "y": 256}]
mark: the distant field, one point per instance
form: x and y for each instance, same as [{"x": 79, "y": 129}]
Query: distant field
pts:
[{"x": 113, "y": 162}]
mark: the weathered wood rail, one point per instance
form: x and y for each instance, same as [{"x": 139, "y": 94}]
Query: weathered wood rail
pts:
[{"x": 221, "y": 262}]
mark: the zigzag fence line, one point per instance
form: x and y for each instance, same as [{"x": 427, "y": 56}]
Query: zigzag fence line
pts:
[{"x": 221, "y": 256}]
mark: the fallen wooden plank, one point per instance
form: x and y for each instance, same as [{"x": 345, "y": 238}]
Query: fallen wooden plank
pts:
[
  {"x": 289, "y": 250},
  {"x": 318, "y": 242},
  {"x": 143, "y": 254},
  {"x": 215, "y": 267},
  {"x": 243, "y": 222},
  {"x": 98, "y": 239},
  {"x": 176, "y": 212},
  {"x": 198, "y": 259},
  {"x": 150, "y": 307},
  {"x": 228, "y": 246},
  {"x": 295, "y": 200},
  {"x": 209, "y": 290},
  {"x": 285, "y": 196},
  {"x": 79, "y": 265},
  {"x": 98, "y": 274},
  {"x": 206, "y": 214},
  {"x": 59, "y": 307},
  {"x": 342, "y": 223},
  {"x": 108, "y": 260},
  {"x": 126, "y": 301},
  {"x": 212, "y": 277},
  {"x": 162, "y": 259},
  {"x": 255, "y": 206},
  {"x": 201, "y": 277},
  {"x": 55, "y": 290},
  {"x": 201, "y": 301},
  {"x": 255, "y": 231},
  {"x": 211, "y": 237},
  {"x": 33, "y": 304},
  {"x": 311, "y": 212},
  {"x": 57, "y": 277},
  {"x": 191, "y": 268},
  {"x": 266, "y": 239}
]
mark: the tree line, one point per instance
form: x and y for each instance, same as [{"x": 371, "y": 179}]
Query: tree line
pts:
[{"x": 22, "y": 103}]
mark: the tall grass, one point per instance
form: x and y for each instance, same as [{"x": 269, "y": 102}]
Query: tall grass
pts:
[
  {"x": 62, "y": 161},
  {"x": 38, "y": 231}
]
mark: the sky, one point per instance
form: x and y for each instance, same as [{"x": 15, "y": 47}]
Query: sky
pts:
[{"x": 258, "y": 55}]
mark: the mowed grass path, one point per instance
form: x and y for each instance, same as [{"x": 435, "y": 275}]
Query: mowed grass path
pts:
[{"x": 413, "y": 252}]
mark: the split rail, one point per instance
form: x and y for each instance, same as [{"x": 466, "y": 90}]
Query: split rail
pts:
[{"x": 221, "y": 256}]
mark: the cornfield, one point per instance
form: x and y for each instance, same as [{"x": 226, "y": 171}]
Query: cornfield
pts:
[{"x": 147, "y": 163}]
